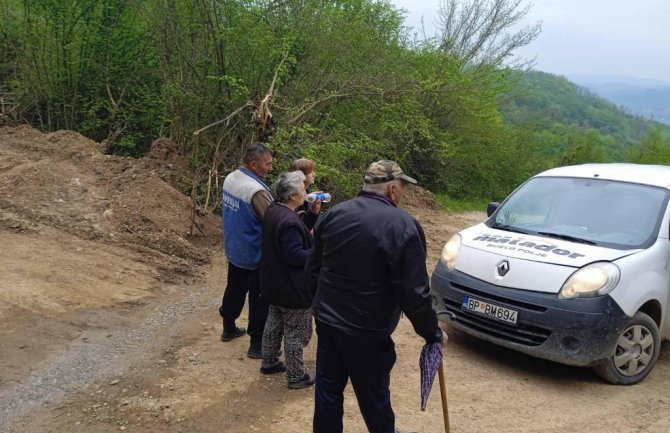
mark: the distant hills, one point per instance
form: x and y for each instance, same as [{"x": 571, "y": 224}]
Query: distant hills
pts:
[
  {"x": 559, "y": 112},
  {"x": 643, "y": 97}
]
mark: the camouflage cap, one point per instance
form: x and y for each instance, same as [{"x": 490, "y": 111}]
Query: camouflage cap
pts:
[{"x": 385, "y": 171}]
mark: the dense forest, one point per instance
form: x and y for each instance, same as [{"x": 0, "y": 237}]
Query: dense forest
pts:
[
  {"x": 571, "y": 125},
  {"x": 342, "y": 82}
]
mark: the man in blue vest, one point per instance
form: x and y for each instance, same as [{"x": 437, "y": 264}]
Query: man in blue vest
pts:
[{"x": 245, "y": 198}]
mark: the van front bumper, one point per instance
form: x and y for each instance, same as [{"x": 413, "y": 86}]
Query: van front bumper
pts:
[{"x": 579, "y": 331}]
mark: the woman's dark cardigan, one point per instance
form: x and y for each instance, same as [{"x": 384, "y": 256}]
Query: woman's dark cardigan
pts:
[{"x": 286, "y": 245}]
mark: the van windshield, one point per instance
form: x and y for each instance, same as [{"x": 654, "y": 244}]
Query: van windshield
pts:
[{"x": 593, "y": 211}]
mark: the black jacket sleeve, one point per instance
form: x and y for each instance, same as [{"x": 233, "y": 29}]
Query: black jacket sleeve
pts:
[
  {"x": 313, "y": 265},
  {"x": 412, "y": 286}
]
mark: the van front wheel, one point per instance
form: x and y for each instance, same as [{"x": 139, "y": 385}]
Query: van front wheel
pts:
[{"x": 635, "y": 353}]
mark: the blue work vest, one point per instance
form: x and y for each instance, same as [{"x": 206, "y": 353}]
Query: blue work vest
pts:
[{"x": 241, "y": 226}]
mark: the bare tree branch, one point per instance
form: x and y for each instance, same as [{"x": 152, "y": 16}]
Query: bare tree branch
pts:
[
  {"x": 482, "y": 32},
  {"x": 262, "y": 114},
  {"x": 226, "y": 120}
]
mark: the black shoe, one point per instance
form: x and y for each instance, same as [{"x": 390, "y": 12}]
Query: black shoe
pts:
[
  {"x": 306, "y": 381},
  {"x": 278, "y": 368},
  {"x": 233, "y": 334},
  {"x": 254, "y": 353}
]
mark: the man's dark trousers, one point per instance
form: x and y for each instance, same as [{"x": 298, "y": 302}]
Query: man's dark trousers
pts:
[
  {"x": 368, "y": 363},
  {"x": 240, "y": 282}
]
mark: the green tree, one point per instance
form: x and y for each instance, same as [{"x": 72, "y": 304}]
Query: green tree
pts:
[
  {"x": 85, "y": 65},
  {"x": 655, "y": 149},
  {"x": 585, "y": 148}
]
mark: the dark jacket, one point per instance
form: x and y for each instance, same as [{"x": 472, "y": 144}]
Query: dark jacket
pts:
[
  {"x": 286, "y": 245},
  {"x": 368, "y": 265}
]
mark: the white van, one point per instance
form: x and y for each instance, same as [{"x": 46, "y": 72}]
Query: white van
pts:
[{"x": 574, "y": 266}]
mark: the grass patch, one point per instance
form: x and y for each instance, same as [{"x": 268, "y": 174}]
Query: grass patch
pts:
[{"x": 461, "y": 205}]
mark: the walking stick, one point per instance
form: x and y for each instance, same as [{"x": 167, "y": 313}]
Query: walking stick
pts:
[{"x": 443, "y": 394}]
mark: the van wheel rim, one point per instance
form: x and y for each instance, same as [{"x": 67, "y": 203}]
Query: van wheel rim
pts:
[{"x": 634, "y": 350}]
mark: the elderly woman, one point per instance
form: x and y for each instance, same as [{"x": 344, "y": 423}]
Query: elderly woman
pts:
[
  {"x": 286, "y": 245},
  {"x": 308, "y": 211}
]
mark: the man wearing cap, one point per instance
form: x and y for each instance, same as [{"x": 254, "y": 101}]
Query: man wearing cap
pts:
[
  {"x": 245, "y": 199},
  {"x": 368, "y": 265}
]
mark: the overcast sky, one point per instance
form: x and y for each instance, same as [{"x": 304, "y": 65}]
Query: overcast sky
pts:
[{"x": 604, "y": 37}]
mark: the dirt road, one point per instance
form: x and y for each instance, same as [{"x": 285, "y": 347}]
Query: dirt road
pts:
[
  {"x": 108, "y": 322},
  {"x": 164, "y": 370}
]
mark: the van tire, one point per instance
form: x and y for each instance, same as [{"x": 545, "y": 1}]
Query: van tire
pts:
[{"x": 640, "y": 328}]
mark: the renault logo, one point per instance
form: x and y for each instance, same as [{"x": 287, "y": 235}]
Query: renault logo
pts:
[{"x": 503, "y": 268}]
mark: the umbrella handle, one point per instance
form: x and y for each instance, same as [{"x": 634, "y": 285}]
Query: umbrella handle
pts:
[{"x": 443, "y": 394}]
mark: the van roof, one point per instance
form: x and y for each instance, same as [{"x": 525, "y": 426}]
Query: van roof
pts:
[{"x": 656, "y": 175}]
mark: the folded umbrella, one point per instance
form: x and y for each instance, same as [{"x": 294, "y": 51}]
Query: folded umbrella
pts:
[{"x": 430, "y": 362}]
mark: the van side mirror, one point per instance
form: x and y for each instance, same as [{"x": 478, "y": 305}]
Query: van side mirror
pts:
[{"x": 492, "y": 207}]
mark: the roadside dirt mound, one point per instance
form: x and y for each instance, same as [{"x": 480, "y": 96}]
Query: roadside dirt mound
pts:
[
  {"x": 60, "y": 189},
  {"x": 418, "y": 198}
]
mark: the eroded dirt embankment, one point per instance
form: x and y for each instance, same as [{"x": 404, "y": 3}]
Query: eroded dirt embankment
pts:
[{"x": 81, "y": 232}]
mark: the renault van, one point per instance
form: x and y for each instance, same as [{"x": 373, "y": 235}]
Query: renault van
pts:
[{"x": 574, "y": 267}]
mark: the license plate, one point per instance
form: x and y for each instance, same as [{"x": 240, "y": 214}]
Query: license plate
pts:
[{"x": 490, "y": 310}]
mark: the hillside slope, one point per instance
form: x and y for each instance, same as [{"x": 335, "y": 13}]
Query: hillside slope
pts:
[
  {"x": 555, "y": 109},
  {"x": 647, "y": 98}
]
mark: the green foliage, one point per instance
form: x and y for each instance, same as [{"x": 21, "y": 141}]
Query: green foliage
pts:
[
  {"x": 86, "y": 65},
  {"x": 450, "y": 204},
  {"x": 585, "y": 147},
  {"x": 344, "y": 84},
  {"x": 654, "y": 149},
  {"x": 570, "y": 124},
  {"x": 10, "y": 41}
]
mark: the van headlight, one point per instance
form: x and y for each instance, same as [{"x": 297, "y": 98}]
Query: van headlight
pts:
[
  {"x": 591, "y": 280},
  {"x": 450, "y": 252}
]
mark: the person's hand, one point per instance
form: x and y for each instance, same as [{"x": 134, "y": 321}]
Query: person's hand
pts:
[
  {"x": 445, "y": 339},
  {"x": 315, "y": 207}
]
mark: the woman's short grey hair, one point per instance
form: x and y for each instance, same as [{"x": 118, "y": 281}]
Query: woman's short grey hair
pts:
[
  {"x": 289, "y": 183},
  {"x": 379, "y": 188}
]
